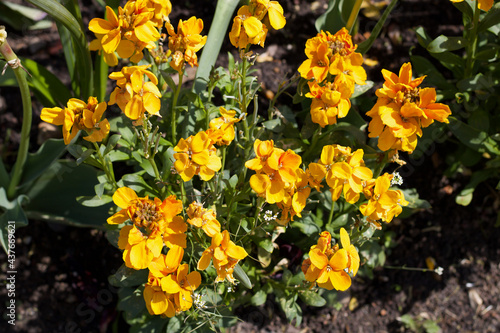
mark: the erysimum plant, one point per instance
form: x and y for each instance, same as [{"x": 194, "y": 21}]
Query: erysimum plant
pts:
[{"x": 201, "y": 194}]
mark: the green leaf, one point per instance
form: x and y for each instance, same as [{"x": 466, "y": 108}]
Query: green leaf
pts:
[
  {"x": 367, "y": 44},
  {"x": 53, "y": 196},
  {"x": 433, "y": 77},
  {"x": 13, "y": 213},
  {"x": 174, "y": 325},
  {"x": 465, "y": 8},
  {"x": 411, "y": 195},
  {"x": 491, "y": 18},
  {"x": 112, "y": 141},
  {"x": 38, "y": 162},
  {"x": 128, "y": 277},
  {"x": 464, "y": 198},
  {"x": 312, "y": 298},
  {"x": 216, "y": 35},
  {"x": 22, "y": 18},
  {"x": 408, "y": 321},
  {"x": 473, "y": 138},
  {"x": 83, "y": 59},
  {"x": 444, "y": 44},
  {"x": 94, "y": 201},
  {"x": 258, "y": 298},
  {"x": 155, "y": 324},
  {"x": 4, "y": 175},
  {"x": 334, "y": 18},
  {"x": 242, "y": 276},
  {"x": 361, "y": 89},
  {"x": 131, "y": 300}
]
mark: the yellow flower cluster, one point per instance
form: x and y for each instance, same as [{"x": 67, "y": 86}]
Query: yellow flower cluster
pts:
[
  {"x": 222, "y": 128},
  {"x": 279, "y": 178},
  {"x": 343, "y": 170},
  {"x": 329, "y": 266},
  {"x": 78, "y": 116},
  {"x": 222, "y": 251},
  {"x": 154, "y": 223},
  {"x": 196, "y": 155},
  {"x": 334, "y": 55},
  {"x": 185, "y": 43},
  {"x": 128, "y": 33},
  {"x": 402, "y": 109},
  {"x": 383, "y": 204},
  {"x": 133, "y": 94},
  {"x": 250, "y": 26}
]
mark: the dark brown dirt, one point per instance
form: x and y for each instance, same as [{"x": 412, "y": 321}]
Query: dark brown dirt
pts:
[{"x": 61, "y": 285}]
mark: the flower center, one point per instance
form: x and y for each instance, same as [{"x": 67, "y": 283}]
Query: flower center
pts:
[
  {"x": 147, "y": 214},
  {"x": 338, "y": 46}
]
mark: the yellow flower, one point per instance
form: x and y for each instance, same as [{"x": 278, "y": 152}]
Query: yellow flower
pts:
[
  {"x": 196, "y": 155},
  {"x": 318, "y": 63},
  {"x": 226, "y": 126},
  {"x": 402, "y": 109},
  {"x": 162, "y": 8},
  {"x": 185, "y": 43},
  {"x": 329, "y": 102},
  {"x": 247, "y": 29},
  {"x": 133, "y": 94},
  {"x": 352, "y": 253},
  {"x": 270, "y": 12},
  {"x": 483, "y": 4},
  {"x": 225, "y": 255},
  {"x": 327, "y": 265},
  {"x": 203, "y": 218},
  {"x": 181, "y": 284},
  {"x": 152, "y": 222},
  {"x": 383, "y": 204},
  {"x": 78, "y": 116},
  {"x": 343, "y": 170},
  {"x": 330, "y": 271},
  {"x": 263, "y": 150},
  {"x": 127, "y": 34},
  {"x": 157, "y": 301}
]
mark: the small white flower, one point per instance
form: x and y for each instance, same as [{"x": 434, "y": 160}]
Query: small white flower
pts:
[
  {"x": 268, "y": 216},
  {"x": 439, "y": 270},
  {"x": 198, "y": 302},
  {"x": 396, "y": 179}
]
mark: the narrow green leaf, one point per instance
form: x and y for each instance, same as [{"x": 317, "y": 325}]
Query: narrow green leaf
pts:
[
  {"x": 242, "y": 276},
  {"x": 223, "y": 15},
  {"x": 112, "y": 141},
  {"x": 12, "y": 218},
  {"x": 367, "y": 44},
  {"x": 62, "y": 15},
  {"x": 444, "y": 43},
  {"x": 491, "y": 18}
]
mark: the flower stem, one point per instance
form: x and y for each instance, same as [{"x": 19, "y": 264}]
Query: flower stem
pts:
[
  {"x": 471, "y": 50},
  {"x": 14, "y": 62},
  {"x": 174, "y": 111},
  {"x": 109, "y": 172}
]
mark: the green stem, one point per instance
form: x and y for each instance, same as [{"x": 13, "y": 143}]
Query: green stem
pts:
[
  {"x": 353, "y": 15},
  {"x": 109, "y": 172},
  {"x": 174, "y": 111},
  {"x": 380, "y": 166},
  {"x": 22, "y": 153},
  {"x": 330, "y": 217},
  {"x": 151, "y": 160},
  {"x": 315, "y": 138},
  {"x": 471, "y": 50}
]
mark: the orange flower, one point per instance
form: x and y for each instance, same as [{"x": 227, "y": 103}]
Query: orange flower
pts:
[
  {"x": 185, "y": 43},
  {"x": 383, "y": 204},
  {"x": 78, "y": 116},
  {"x": 329, "y": 102},
  {"x": 402, "y": 109},
  {"x": 225, "y": 255},
  {"x": 326, "y": 264},
  {"x": 226, "y": 126},
  {"x": 127, "y": 34},
  {"x": 483, "y": 4},
  {"x": 152, "y": 221},
  {"x": 196, "y": 155},
  {"x": 203, "y": 218},
  {"x": 133, "y": 94}
]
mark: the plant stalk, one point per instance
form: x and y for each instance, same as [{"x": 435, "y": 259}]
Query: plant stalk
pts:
[{"x": 14, "y": 62}]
